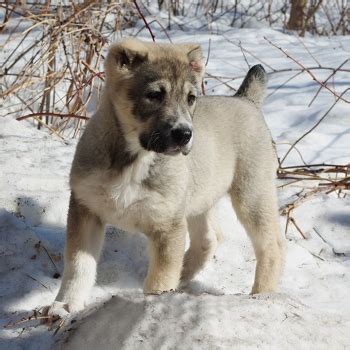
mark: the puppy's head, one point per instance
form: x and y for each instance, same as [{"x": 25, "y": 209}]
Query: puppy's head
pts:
[{"x": 154, "y": 88}]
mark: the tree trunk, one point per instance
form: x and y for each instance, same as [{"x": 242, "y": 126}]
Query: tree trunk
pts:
[{"x": 297, "y": 15}]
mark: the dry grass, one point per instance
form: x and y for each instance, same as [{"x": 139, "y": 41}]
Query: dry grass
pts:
[
  {"x": 55, "y": 70},
  {"x": 314, "y": 179},
  {"x": 54, "y": 73},
  {"x": 325, "y": 178}
]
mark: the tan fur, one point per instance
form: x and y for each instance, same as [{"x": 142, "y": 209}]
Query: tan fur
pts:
[{"x": 115, "y": 180}]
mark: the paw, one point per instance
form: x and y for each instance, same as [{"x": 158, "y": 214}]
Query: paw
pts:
[
  {"x": 262, "y": 289},
  {"x": 187, "y": 275},
  {"x": 55, "y": 312},
  {"x": 151, "y": 291},
  {"x": 193, "y": 263},
  {"x": 61, "y": 310},
  {"x": 157, "y": 287}
]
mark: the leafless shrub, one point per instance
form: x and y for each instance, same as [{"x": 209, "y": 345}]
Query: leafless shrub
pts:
[
  {"x": 53, "y": 73},
  {"x": 320, "y": 17},
  {"x": 306, "y": 15}
]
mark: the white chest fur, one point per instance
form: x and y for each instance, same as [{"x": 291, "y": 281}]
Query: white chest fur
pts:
[
  {"x": 126, "y": 188},
  {"x": 114, "y": 197}
]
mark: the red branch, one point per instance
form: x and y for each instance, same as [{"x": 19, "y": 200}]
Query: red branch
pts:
[
  {"x": 144, "y": 20},
  {"x": 43, "y": 114}
]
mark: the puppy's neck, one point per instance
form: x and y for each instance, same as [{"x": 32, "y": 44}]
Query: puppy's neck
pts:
[{"x": 127, "y": 155}]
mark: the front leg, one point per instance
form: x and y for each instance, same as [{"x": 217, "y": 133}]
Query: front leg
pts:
[
  {"x": 85, "y": 235},
  {"x": 167, "y": 248}
]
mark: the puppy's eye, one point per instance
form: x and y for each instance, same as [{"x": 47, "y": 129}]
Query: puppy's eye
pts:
[
  {"x": 155, "y": 95},
  {"x": 191, "y": 99}
]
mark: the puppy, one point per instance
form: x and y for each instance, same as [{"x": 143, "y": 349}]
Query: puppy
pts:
[{"x": 156, "y": 157}]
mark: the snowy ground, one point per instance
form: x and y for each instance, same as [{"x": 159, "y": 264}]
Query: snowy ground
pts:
[{"x": 215, "y": 312}]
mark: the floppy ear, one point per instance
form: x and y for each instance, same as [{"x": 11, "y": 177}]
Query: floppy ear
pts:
[
  {"x": 127, "y": 54},
  {"x": 195, "y": 58},
  {"x": 128, "y": 58}
]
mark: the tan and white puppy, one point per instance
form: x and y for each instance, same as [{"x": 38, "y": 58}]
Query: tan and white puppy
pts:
[{"x": 156, "y": 157}]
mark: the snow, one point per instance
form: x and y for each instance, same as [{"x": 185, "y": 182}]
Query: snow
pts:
[
  {"x": 207, "y": 322},
  {"x": 215, "y": 311}
]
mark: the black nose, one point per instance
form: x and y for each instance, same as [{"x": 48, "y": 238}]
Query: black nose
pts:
[{"x": 181, "y": 135}]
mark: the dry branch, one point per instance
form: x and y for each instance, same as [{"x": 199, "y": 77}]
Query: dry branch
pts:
[
  {"x": 61, "y": 115},
  {"x": 59, "y": 75},
  {"x": 314, "y": 126},
  {"x": 144, "y": 20},
  {"x": 329, "y": 178},
  {"x": 35, "y": 316},
  {"x": 307, "y": 70}
]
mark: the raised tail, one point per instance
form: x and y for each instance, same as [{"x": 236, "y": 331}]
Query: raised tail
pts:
[{"x": 254, "y": 85}]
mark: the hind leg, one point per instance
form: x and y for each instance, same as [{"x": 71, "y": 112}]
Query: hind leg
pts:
[
  {"x": 254, "y": 199},
  {"x": 205, "y": 234}
]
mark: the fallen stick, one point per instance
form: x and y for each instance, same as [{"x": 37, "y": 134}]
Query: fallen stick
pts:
[
  {"x": 32, "y": 317},
  {"x": 43, "y": 114}
]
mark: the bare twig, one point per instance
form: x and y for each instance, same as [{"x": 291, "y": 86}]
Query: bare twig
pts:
[
  {"x": 308, "y": 51},
  {"x": 208, "y": 55},
  {"x": 323, "y": 165},
  {"x": 60, "y": 325},
  {"x": 34, "y": 279},
  {"x": 239, "y": 45},
  {"x": 69, "y": 52},
  {"x": 61, "y": 115},
  {"x": 160, "y": 25},
  {"x": 221, "y": 81},
  {"x": 329, "y": 77},
  {"x": 318, "y": 173},
  {"x": 144, "y": 20},
  {"x": 35, "y": 316},
  {"x": 48, "y": 254},
  {"x": 315, "y": 126},
  {"x": 292, "y": 220},
  {"x": 307, "y": 70}
]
